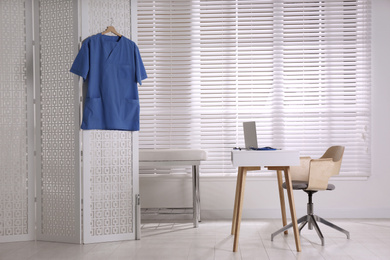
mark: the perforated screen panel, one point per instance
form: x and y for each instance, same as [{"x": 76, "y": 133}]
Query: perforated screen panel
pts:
[
  {"x": 57, "y": 106},
  {"x": 15, "y": 173},
  {"x": 108, "y": 156}
]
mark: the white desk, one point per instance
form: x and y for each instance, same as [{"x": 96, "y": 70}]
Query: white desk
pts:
[{"x": 279, "y": 160}]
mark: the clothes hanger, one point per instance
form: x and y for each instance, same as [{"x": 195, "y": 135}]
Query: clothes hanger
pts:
[{"x": 112, "y": 30}]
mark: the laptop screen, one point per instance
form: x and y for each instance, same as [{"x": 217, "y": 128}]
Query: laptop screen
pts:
[{"x": 250, "y": 134}]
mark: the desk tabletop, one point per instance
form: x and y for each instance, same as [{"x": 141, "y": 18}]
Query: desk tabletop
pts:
[{"x": 264, "y": 158}]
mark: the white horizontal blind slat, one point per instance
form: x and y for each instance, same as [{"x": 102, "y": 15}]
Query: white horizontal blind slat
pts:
[{"x": 301, "y": 70}]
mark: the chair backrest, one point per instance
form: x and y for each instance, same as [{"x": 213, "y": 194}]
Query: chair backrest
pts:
[
  {"x": 301, "y": 172},
  {"x": 336, "y": 153}
]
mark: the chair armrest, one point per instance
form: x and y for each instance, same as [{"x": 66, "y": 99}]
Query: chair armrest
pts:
[
  {"x": 301, "y": 172},
  {"x": 319, "y": 173}
]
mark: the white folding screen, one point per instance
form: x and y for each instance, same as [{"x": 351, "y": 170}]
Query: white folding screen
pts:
[
  {"x": 40, "y": 171},
  {"x": 16, "y": 123},
  {"x": 57, "y": 114},
  {"x": 110, "y": 158}
]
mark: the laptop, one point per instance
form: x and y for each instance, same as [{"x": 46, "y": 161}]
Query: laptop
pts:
[
  {"x": 250, "y": 137},
  {"x": 250, "y": 134}
]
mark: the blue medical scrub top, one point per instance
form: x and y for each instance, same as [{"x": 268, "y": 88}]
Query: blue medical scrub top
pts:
[{"x": 112, "y": 67}]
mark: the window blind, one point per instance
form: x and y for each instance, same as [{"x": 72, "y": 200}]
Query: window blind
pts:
[{"x": 301, "y": 70}]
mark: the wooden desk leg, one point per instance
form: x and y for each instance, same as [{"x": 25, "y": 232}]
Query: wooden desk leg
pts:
[
  {"x": 281, "y": 197},
  {"x": 234, "y": 222},
  {"x": 240, "y": 200},
  {"x": 292, "y": 208}
]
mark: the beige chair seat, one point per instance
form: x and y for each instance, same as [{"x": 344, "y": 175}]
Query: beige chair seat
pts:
[{"x": 302, "y": 185}]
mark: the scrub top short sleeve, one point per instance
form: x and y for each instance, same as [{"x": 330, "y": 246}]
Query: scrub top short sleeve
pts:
[{"x": 81, "y": 63}]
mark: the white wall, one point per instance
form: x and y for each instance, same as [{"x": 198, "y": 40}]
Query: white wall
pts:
[{"x": 351, "y": 199}]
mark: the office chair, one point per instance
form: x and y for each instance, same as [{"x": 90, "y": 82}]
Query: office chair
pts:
[{"x": 311, "y": 176}]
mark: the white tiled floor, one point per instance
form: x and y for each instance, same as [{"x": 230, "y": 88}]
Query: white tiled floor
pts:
[{"x": 370, "y": 239}]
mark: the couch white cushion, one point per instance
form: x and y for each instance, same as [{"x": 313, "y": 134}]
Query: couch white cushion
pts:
[{"x": 146, "y": 155}]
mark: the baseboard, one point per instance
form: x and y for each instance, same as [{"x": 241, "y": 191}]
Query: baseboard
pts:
[{"x": 275, "y": 214}]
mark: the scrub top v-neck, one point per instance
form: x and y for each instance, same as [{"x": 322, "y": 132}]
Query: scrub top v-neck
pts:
[{"x": 112, "y": 67}]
